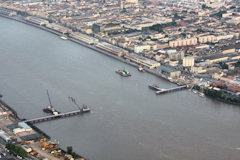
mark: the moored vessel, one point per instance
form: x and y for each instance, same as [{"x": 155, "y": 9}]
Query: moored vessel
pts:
[
  {"x": 141, "y": 69},
  {"x": 201, "y": 94},
  {"x": 85, "y": 108},
  {"x": 50, "y": 108},
  {"x": 123, "y": 72},
  {"x": 63, "y": 38}
]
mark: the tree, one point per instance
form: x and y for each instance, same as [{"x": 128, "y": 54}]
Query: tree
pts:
[
  {"x": 176, "y": 16},
  {"x": 204, "y": 6},
  {"x": 74, "y": 154},
  {"x": 218, "y": 14},
  {"x": 237, "y": 64},
  {"x": 223, "y": 65},
  {"x": 200, "y": 30},
  {"x": 196, "y": 87},
  {"x": 21, "y": 152},
  {"x": 16, "y": 149},
  {"x": 69, "y": 149}
]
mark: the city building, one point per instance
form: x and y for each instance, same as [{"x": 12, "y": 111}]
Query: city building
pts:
[
  {"x": 132, "y": 1},
  {"x": 207, "y": 38},
  {"x": 169, "y": 72},
  {"x": 188, "y": 61},
  {"x": 23, "y": 127},
  {"x": 141, "y": 48},
  {"x": 142, "y": 60},
  {"x": 111, "y": 48},
  {"x": 183, "y": 42}
]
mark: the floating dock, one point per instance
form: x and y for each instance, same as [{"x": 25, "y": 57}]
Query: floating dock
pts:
[
  {"x": 52, "y": 117},
  {"x": 162, "y": 90}
]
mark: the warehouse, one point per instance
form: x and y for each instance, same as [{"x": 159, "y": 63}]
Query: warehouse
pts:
[
  {"x": 142, "y": 61},
  {"x": 112, "y": 49}
]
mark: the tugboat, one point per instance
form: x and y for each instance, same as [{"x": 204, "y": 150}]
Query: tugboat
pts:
[
  {"x": 85, "y": 108},
  {"x": 124, "y": 72}
]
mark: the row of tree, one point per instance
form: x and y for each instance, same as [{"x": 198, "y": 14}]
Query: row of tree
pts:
[
  {"x": 218, "y": 94},
  {"x": 70, "y": 151},
  {"x": 221, "y": 96},
  {"x": 16, "y": 149}
]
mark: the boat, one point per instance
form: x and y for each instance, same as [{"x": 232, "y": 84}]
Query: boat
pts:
[
  {"x": 50, "y": 108},
  {"x": 141, "y": 69},
  {"x": 154, "y": 87},
  {"x": 194, "y": 91},
  {"x": 85, "y": 108},
  {"x": 123, "y": 72},
  {"x": 201, "y": 94},
  {"x": 63, "y": 38}
]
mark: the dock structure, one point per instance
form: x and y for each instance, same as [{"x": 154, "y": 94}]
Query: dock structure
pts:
[
  {"x": 161, "y": 91},
  {"x": 52, "y": 117},
  {"x": 154, "y": 87}
]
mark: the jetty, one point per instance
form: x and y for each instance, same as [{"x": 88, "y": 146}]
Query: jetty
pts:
[
  {"x": 163, "y": 90},
  {"x": 52, "y": 117}
]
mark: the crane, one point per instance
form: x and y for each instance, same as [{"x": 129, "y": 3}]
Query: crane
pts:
[
  {"x": 49, "y": 99},
  {"x": 74, "y": 101}
]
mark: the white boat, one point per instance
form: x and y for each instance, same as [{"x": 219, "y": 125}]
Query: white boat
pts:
[
  {"x": 194, "y": 91},
  {"x": 201, "y": 94},
  {"x": 63, "y": 37},
  {"x": 85, "y": 108}
]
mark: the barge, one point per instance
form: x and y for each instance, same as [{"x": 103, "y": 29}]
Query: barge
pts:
[{"x": 123, "y": 72}]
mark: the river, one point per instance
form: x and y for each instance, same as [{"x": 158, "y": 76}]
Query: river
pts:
[{"x": 128, "y": 121}]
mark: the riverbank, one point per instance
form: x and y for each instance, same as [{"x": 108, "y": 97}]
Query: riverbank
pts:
[
  {"x": 224, "y": 101},
  {"x": 14, "y": 113},
  {"x": 151, "y": 71}
]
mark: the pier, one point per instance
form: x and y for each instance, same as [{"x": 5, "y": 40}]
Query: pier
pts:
[
  {"x": 52, "y": 117},
  {"x": 154, "y": 87},
  {"x": 162, "y": 90},
  {"x": 171, "y": 89}
]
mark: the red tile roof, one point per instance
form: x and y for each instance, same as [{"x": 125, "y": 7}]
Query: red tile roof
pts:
[{"x": 234, "y": 88}]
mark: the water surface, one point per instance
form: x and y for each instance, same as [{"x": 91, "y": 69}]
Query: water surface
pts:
[{"x": 128, "y": 121}]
